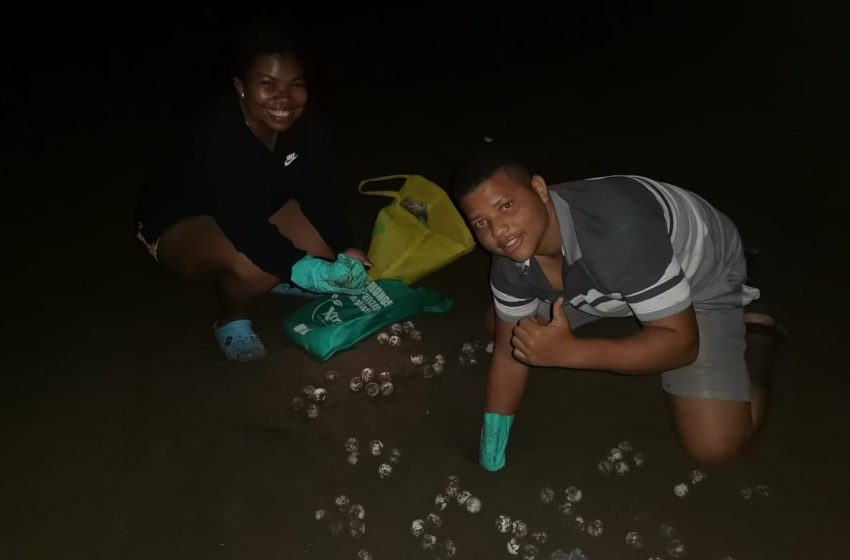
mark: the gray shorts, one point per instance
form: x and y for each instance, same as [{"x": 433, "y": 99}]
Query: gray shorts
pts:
[{"x": 720, "y": 370}]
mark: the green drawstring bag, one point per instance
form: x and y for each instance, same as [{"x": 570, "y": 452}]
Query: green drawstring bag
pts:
[{"x": 337, "y": 322}]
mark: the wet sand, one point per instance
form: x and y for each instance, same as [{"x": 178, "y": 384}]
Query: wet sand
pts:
[{"x": 126, "y": 435}]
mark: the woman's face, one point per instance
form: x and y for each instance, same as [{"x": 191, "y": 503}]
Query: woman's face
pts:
[{"x": 273, "y": 93}]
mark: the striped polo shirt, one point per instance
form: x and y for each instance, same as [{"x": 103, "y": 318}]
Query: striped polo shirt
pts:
[{"x": 632, "y": 247}]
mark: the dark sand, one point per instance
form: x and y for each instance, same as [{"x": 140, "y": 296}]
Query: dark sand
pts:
[{"x": 125, "y": 435}]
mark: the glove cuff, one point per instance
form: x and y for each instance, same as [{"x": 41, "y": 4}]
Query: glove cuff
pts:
[
  {"x": 503, "y": 420},
  {"x": 494, "y": 440}
]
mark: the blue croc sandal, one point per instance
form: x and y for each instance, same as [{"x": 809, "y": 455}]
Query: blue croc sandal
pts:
[
  {"x": 287, "y": 289},
  {"x": 239, "y": 342}
]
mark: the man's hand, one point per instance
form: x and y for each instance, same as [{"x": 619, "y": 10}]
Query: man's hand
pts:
[{"x": 546, "y": 345}]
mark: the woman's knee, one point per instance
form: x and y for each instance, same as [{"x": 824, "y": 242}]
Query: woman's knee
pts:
[
  {"x": 194, "y": 250},
  {"x": 197, "y": 250},
  {"x": 183, "y": 268}
]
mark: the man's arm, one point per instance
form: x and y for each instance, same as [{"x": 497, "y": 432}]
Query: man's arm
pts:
[
  {"x": 508, "y": 376},
  {"x": 504, "y": 391},
  {"x": 659, "y": 346}
]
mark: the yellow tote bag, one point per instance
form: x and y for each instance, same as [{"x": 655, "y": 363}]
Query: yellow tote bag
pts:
[{"x": 418, "y": 233}]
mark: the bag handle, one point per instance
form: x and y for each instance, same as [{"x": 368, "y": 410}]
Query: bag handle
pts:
[{"x": 391, "y": 194}]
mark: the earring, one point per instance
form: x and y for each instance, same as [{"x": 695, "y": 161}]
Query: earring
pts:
[{"x": 242, "y": 95}]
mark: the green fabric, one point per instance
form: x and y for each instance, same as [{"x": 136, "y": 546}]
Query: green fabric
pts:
[
  {"x": 345, "y": 275},
  {"x": 332, "y": 324},
  {"x": 494, "y": 440}
]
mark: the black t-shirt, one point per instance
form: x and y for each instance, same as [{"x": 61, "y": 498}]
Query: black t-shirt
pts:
[{"x": 222, "y": 170}]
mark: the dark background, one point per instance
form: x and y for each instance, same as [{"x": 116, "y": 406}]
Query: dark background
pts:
[
  {"x": 746, "y": 88},
  {"x": 123, "y": 434}
]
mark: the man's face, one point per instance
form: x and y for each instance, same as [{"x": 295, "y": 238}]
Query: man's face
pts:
[{"x": 508, "y": 217}]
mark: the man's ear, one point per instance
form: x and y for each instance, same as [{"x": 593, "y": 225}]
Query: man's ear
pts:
[{"x": 539, "y": 186}]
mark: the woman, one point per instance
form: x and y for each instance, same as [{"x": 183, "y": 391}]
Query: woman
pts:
[{"x": 248, "y": 199}]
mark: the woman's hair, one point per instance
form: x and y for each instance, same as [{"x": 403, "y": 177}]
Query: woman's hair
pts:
[{"x": 257, "y": 39}]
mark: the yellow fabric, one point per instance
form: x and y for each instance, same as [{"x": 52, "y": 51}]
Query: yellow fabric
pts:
[{"x": 404, "y": 248}]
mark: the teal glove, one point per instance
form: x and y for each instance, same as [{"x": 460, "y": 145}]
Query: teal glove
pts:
[
  {"x": 345, "y": 275},
  {"x": 494, "y": 440}
]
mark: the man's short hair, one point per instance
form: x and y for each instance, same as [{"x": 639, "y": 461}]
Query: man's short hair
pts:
[{"x": 483, "y": 165}]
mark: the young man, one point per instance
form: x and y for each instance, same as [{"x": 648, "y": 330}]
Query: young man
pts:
[{"x": 618, "y": 246}]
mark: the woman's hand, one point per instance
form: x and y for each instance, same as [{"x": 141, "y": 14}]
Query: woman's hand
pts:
[
  {"x": 358, "y": 254},
  {"x": 345, "y": 275}
]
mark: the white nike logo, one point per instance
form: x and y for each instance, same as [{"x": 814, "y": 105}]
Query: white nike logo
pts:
[{"x": 290, "y": 158}]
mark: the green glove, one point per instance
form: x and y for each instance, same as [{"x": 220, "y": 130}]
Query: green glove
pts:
[
  {"x": 494, "y": 440},
  {"x": 345, "y": 275}
]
